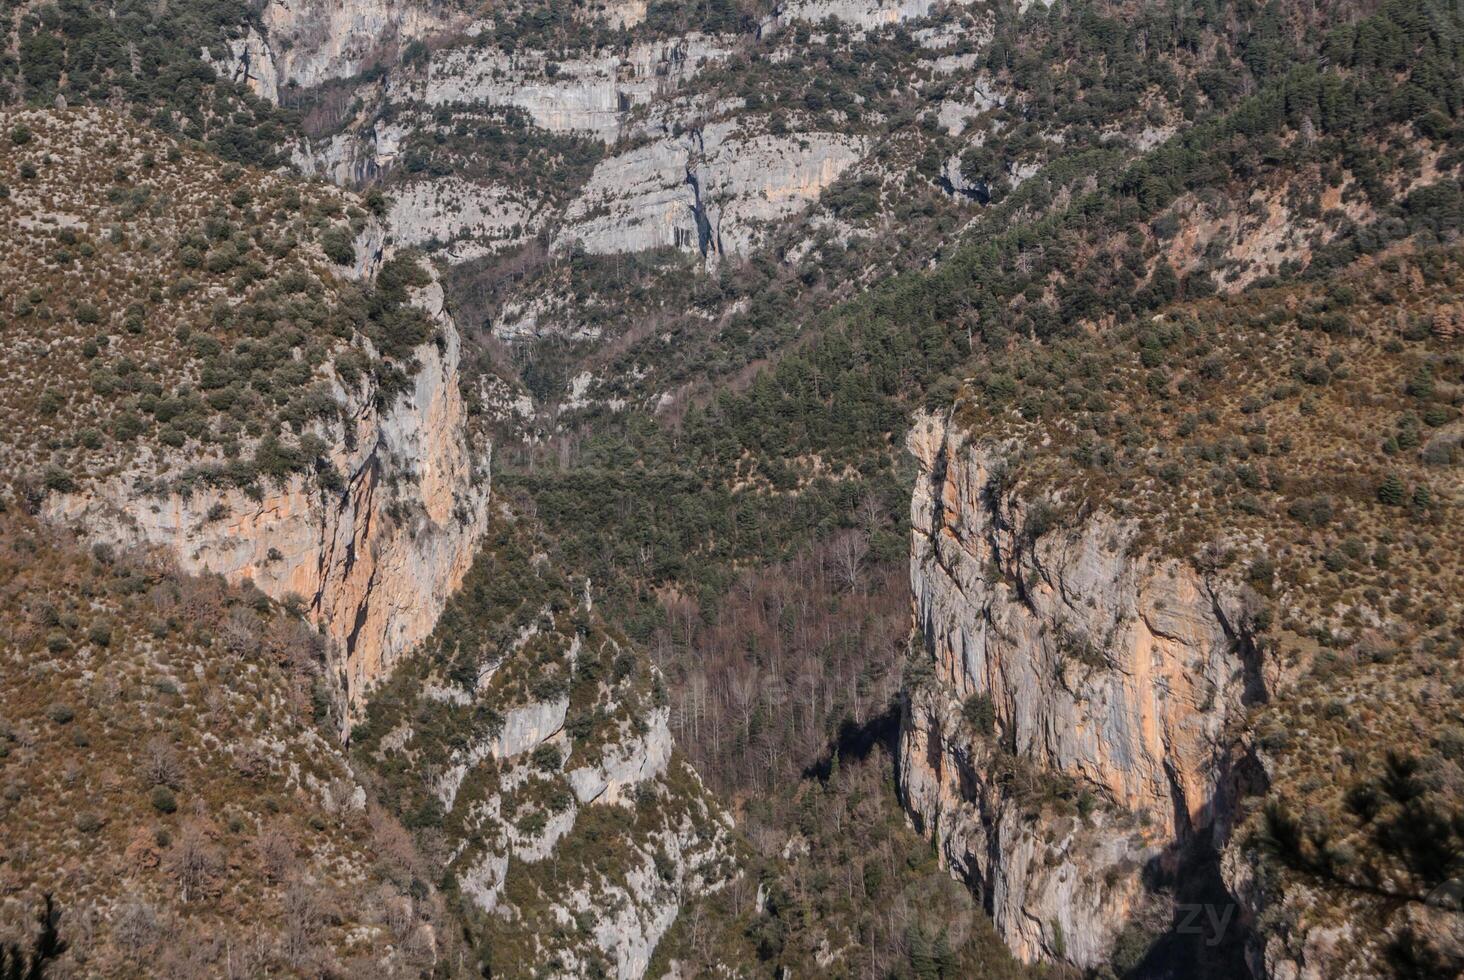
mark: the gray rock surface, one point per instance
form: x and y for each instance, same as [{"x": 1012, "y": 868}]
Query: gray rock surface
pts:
[
  {"x": 1107, "y": 669},
  {"x": 711, "y": 190}
]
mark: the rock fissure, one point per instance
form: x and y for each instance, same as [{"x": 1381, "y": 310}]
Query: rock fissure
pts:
[{"x": 1109, "y": 674}]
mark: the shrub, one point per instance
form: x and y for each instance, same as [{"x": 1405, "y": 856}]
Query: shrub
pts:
[
  {"x": 1391, "y": 491},
  {"x": 547, "y": 758},
  {"x": 61, "y": 714},
  {"x": 163, "y": 800},
  {"x": 338, "y": 246},
  {"x": 58, "y": 480},
  {"x": 980, "y": 713}
]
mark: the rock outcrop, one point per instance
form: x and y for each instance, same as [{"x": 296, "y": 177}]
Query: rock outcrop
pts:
[
  {"x": 543, "y": 747},
  {"x": 307, "y": 44},
  {"x": 374, "y": 562},
  {"x": 710, "y": 189},
  {"x": 450, "y": 208},
  {"x": 1064, "y": 663},
  {"x": 863, "y": 14},
  {"x": 591, "y": 95}
]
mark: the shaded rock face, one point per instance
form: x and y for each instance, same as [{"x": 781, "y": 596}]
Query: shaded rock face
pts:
[
  {"x": 1066, "y": 657},
  {"x": 375, "y": 562},
  {"x": 709, "y": 190}
]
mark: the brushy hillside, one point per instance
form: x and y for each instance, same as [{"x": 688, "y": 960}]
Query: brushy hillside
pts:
[
  {"x": 147, "y": 58},
  {"x": 170, "y": 317},
  {"x": 169, "y": 777}
]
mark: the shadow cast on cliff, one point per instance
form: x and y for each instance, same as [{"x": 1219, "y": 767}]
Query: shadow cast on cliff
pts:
[{"x": 1206, "y": 934}]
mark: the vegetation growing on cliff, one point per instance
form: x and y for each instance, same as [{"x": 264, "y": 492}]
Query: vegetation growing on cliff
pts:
[
  {"x": 156, "y": 298},
  {"x": 1052, "y": 306},
  {"x": 1212, "y": 279},
  {"x": 147, "y": 58},
  {"x": 525, "y": 745}
]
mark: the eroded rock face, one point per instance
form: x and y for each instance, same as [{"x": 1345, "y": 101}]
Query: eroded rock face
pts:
[
  {"x": 864, "y": 14},
  {"x": 1100, "y": 669},
  {"x": 306, "y": 44},
  {"x": 423, "y": 211},
  {"x": 375, "y": 562},
  {"x": 589, "y": 95},
  {"x": 709, "y": 190}
]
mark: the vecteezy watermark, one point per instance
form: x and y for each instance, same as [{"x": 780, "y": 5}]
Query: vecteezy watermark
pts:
[{"x": 1209, "y": 920}]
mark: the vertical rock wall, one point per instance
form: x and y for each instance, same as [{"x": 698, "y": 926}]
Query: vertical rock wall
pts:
[
  {"x": 375, "y": 562},
  {"x": 1069, "y": 737}
]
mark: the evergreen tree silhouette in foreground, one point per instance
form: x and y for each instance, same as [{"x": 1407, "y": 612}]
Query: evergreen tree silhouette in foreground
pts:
[{"x": 15, "y": 964}]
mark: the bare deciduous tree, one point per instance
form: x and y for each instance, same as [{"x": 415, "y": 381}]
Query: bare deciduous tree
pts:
[
  {"x": 193, "y": 859},
  {"x": 276, "y": 851},
  {"x": 161, "y": 764},
  {"x": 136, "y": 926},
  {"x": 305, "y": 913},
  {"x": 240, "y": 632},
  {"x": 850, "y": 549}
]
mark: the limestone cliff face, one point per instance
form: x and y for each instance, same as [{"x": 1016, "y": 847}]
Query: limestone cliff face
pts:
[
  {"x": 562, "y": 807},
  {"x": 375, "y": 562},
  {"x": 591, "y": 95},
  {"x": 863, "y": 14},
  {"x": 710, "y": 189},
  {"x": 304, "y": 44},
  {"x": 1105, "y": 671}
]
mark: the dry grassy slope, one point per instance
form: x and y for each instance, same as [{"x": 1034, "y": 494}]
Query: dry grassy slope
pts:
[
  {"x": 162, "y": 775},
  {"x": 1305, "y": 442},
  {"x": 149, "y": 291}
]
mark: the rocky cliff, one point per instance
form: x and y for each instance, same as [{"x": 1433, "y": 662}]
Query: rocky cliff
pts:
[
  {"x": 374, "y": 562},
  {"x": 538, "y": 741},
  {"x": 279, "y": 416},
  {"x": 710, "y": 189},
  {"x": 301, "y": 45},
  {"x": 592, "y": 94},
  {"x": 1068, "y": 738}
]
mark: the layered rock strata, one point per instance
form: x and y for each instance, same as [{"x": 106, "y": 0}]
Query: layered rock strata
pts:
[
  {"x": 374, "y": 562},
  {"x": 1061, "y": 662},
  {"x": 709, "y": 189}
]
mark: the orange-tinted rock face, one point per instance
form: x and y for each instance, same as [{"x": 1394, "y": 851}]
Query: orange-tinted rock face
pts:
[
  {"x": 375, "y": 562},
  {"x": 1109, "y": 673}
]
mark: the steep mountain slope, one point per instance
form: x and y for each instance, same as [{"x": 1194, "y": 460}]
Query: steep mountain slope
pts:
[
  {"x": 189, "y": 363},
  {"x": 172, "y": 782},
  {"x": 530, "y": 741},
  {"x": 1138, "y": 652},
  {"x": 695, "y": 271},
  {"x": 248, "y": 380}
]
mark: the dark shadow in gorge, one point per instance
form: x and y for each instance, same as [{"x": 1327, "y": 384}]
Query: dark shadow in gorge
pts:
[
  {"x": 856, "y": 740},
  {"x": 1205, "y": 938}
]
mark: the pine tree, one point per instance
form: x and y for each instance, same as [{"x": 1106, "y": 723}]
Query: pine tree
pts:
[
  {"x": 1392, "y": 491},
  {"x": 922, "y": 957}
]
